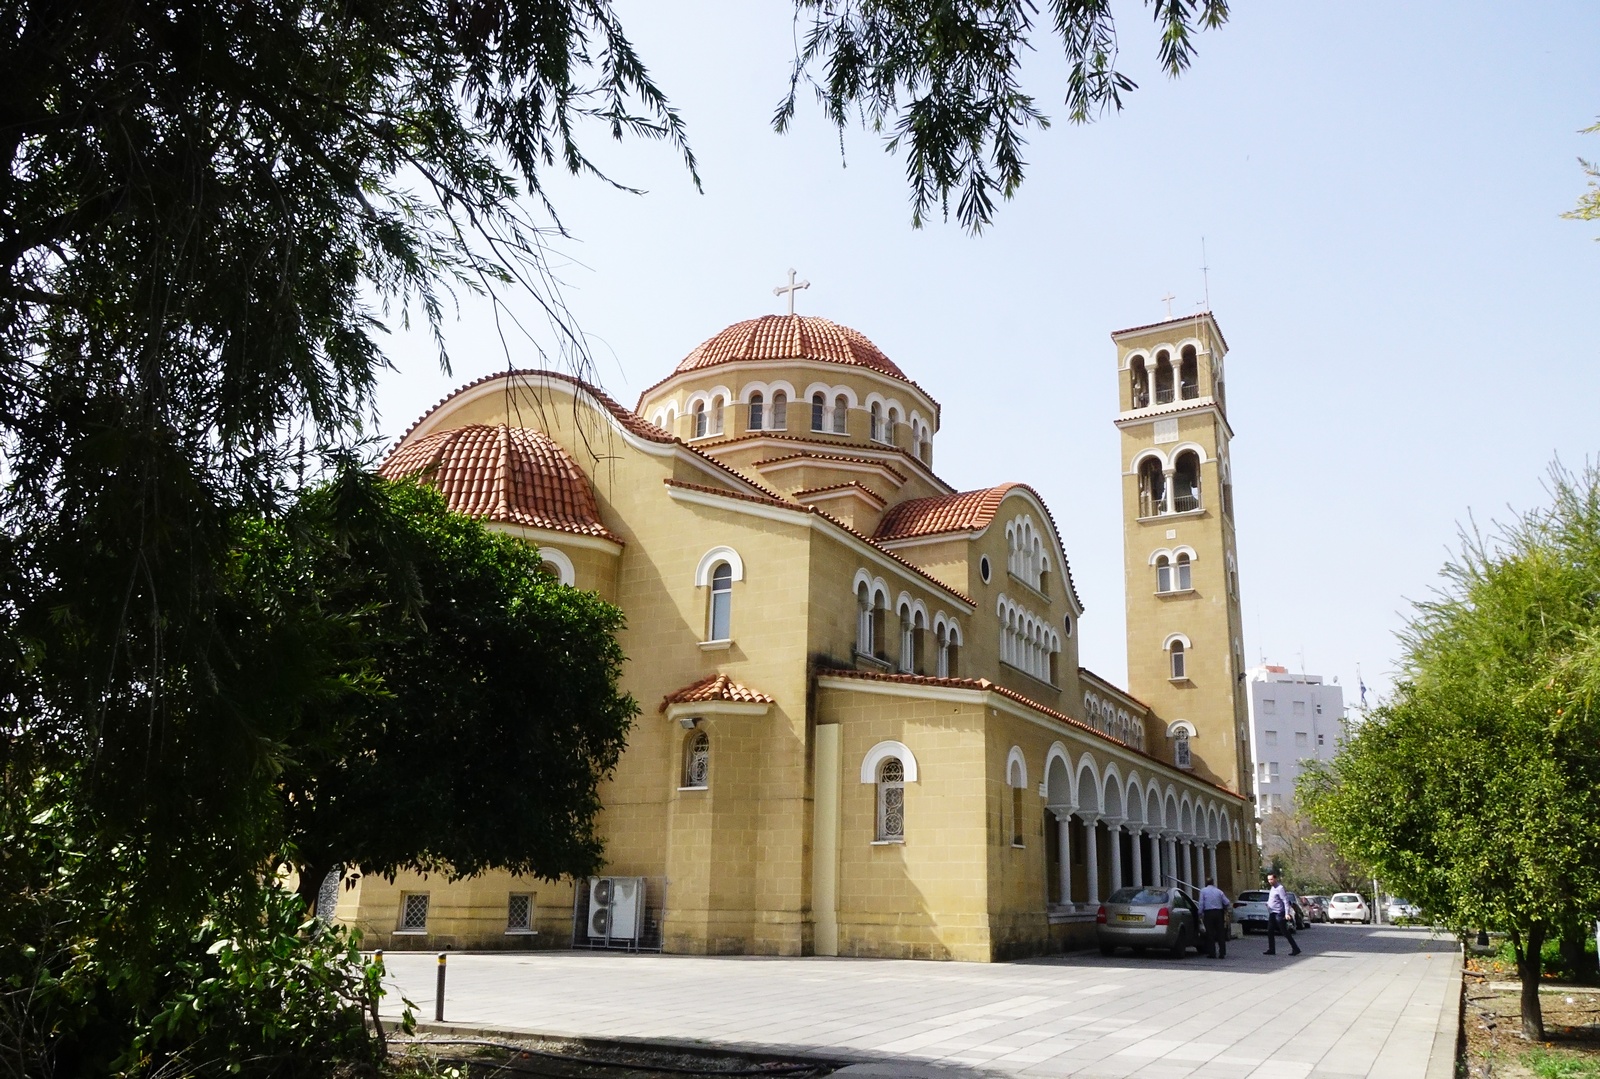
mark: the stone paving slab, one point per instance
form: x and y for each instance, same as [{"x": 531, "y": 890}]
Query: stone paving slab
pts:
[{"x": 1361, "y": 1003}]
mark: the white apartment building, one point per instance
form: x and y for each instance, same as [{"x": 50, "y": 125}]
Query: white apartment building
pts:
[{"x": 1293, "y": 718}]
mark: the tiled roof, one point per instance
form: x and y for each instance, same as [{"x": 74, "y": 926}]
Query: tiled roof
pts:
[
  {"x": 984, "y": 684},
  {"x": 831, "y": 458},
  {"x": 790, "y": 337},
  {"x": 718, "y": 687},
  {"x": 1173, "y": 321},
  {"x": 852, "y": 486},
  {"x": 965, "y": 511},
  {"x": 802, "y": 508},
  {"x": 507, "y": 474}
]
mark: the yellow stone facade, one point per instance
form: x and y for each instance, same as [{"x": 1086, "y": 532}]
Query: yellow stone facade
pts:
[{"x": 904, "y": 757}]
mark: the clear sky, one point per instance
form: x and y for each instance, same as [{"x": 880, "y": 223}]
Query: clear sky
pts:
[{"x": 1413, "y": 327}]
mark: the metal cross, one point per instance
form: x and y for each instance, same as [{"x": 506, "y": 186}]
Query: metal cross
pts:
[
  {"x": 1167, "y": 299},
  {"x": 791, "y": 288}
]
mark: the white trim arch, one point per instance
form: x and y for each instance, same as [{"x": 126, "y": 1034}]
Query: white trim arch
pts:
[
  {"x": 876, "y": 755},
  {"x": 1166, "y": 645},
  {"x": 1178, "y": 725},
  {"x": 1133, "y": 798},
  {"x": 1149, "y": 453},
  {"x": 1016, "y": 757},
  {"x": 1187, "y": 447},
  {"x": 565, "y": 573},
  {"x": 1058, "y": 752},
  {"x": 702, "y": 571},
  {"x": 1153, "y": 813}
]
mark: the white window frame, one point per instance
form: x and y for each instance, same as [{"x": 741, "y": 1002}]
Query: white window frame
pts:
[{"x": 526, "y": 928}]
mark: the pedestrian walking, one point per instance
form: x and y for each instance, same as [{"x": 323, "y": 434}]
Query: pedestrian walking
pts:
[
  {"x": 1278, "y": 916},
  {"x": 1214, "y": 904}
]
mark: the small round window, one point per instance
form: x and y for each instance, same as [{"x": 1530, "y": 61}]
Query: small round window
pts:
[
  {"x": 983, "y": 568},
  {"x": 1066, "y": 624}
]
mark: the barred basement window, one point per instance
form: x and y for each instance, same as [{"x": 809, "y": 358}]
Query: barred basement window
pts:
[
  {"x": 414, "y": 912},
  {"x": 891, "y": 799},
  {"x": 519, "y": 913}
]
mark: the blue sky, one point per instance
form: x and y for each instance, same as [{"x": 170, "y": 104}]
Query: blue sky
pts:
[{"x": 1412, "y": 325}]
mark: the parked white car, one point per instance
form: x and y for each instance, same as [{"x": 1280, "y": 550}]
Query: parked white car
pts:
[
  {"x": 1250, "y": 911},
  {"x": 1348, "y": 907},
  {"x": 1397, "y": 910}
]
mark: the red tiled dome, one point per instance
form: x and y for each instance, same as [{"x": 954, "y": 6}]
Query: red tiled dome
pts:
[
  {"x": 791, "y": 337},
  {"x": 500, "y": 473}
]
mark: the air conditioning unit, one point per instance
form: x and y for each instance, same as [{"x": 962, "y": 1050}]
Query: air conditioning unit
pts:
[{"x": 616, "y": 907}]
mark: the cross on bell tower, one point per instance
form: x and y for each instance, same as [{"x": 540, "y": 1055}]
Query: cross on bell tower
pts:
[{"x": 791, "y": 288}]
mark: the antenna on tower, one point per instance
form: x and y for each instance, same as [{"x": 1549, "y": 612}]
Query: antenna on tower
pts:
[{"x": 1205, "y": 273}]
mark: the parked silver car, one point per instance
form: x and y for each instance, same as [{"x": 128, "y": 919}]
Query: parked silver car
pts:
[
  {"x": 1148, "y": 917},
  {"x": 1348, "y": 907}
]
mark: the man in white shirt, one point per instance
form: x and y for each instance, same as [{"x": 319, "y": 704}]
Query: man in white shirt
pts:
[
  {"x": 1278, "y": 916},
  {"x": 1214, "y": 904}
]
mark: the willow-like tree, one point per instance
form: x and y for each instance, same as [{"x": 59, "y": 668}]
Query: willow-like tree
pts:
[{"x": 1476, "y": 790}]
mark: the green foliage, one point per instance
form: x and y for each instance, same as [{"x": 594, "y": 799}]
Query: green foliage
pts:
[
  {"x": 944, "y": 79},
  {"x": 1476, "y": 790},
  {"x": 1547, "y": 1064},
  {"x": 489, "y": 710},
  {"x": 1588, "y": 208}
]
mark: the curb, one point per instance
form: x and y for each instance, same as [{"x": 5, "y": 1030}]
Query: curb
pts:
[{"x": 1446, "y": 1050}]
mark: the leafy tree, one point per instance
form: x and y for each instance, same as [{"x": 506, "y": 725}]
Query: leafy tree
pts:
[
  {"x": 489, "y": 711},
  {"x": 943, "y": 80},
  {"x": 1588, "y": 208},
  {"x": 1477, "y": 788},
  {"x": 1302, "y": 853}
]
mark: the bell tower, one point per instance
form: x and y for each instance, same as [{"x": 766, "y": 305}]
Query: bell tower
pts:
[{"x": 1185, "y": 633}]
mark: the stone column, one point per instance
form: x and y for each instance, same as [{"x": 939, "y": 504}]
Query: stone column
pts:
[
  {"x": 1091, "y": 856},
  {"x": 1064, "y": 838},
  {"x": 1138, "y": 856},
  {"x": 1114, "y": 833},
  {"x": 1169, "y": 858},
  {"x": 1211, "y": 860}
]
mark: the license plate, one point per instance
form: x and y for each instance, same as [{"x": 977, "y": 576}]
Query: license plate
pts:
[{"x": 1130, "y": 917}]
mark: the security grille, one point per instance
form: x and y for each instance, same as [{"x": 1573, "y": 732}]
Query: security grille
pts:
[
  {"x": 891, "y": 800},
  {"x": 519, "y": 914},
  {"x": 414, "y": 912},
  {"x": 698, "y": 764}
]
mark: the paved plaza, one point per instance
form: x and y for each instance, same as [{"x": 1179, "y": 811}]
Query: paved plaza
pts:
[{"x": 1361, "y": 1002}]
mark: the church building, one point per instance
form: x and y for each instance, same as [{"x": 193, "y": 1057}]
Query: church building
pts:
[{"x": 865, "y": 729}]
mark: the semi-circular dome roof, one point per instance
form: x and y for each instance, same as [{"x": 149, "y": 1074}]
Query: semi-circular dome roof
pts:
[
  {"x": 500, "y": 473},
  {"x": 791, "y": 337}
]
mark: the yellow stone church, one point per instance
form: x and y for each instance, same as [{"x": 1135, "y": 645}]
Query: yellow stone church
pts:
[{"x": 865, "y": 731}]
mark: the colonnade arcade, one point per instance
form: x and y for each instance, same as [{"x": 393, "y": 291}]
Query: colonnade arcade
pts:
[{"x": 1104, "y": 832}]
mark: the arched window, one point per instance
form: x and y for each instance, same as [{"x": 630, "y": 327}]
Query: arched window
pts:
[
  {"x": 925, "y": 452},
  {"x": 891, "y": 800},
  {"x": 716, "y": 414},
  {"x": 1186, "y": 482},
  {"x": 697, "y": 760},
  {"x": 941, "y": 642},
  {"x": 1180, "y": 750},
  {"x": 841, "y": 414},
  {"x": 864, "y": 619},
  {"x": 720, "y": 618},
  {"x": 779, "y": 420},
  {"x": 1185, "y": 573},
  {"x": 908, "y": 641},
  {"x": 1016, "y": 782},
  {"x": 701, "y": 420},
  {"x": 819, "y": 408},
  {"x": 756, "y": 405},
  {"x": 1163, "y": 573},
  {"x": 880, "y": 618},
  {"x": 919, "y": 647},
  {"x": 1152, "y": 488},
  {"x": 1188, "y": 375},
  {"x": 876, "y": 416},
  {"x": 893, "y": 424},
  {"x": 1163, "y": 379},
  {"x": 1139, "y": 382},
  {"x": 1177, "y": 659}
]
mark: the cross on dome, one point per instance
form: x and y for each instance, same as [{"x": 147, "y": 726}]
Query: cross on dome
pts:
[{"x": 791, "y": 288}]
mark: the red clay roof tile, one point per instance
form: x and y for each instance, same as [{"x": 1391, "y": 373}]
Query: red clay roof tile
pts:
[
  {"x": 717, "y": 687},
  {"x": 507, "y": 474}
]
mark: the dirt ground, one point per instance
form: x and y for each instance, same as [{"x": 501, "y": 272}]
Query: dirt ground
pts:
[
  {"x": 1493, "y": 1045},
  {"x": 553, "y": 1058}
]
